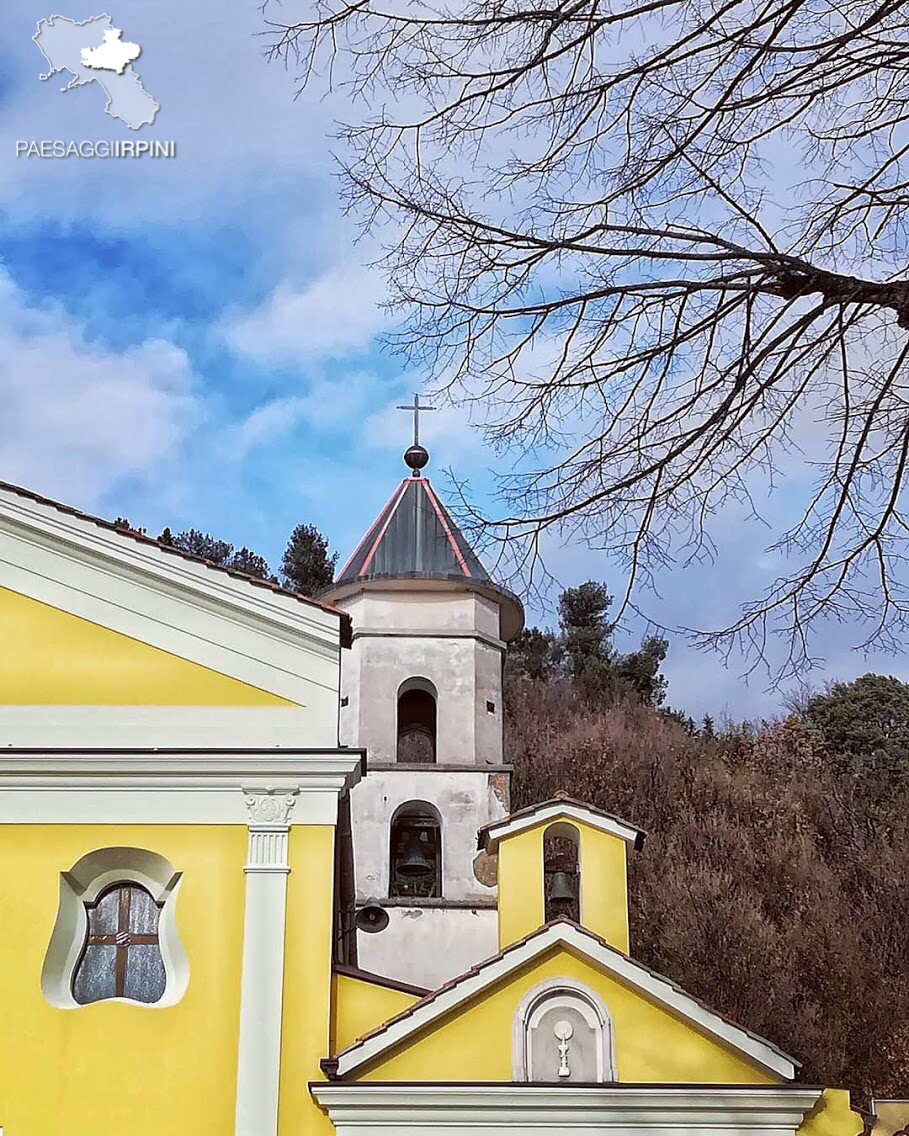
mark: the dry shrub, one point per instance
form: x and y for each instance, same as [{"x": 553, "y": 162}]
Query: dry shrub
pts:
[{"x": 769, "y": 885}]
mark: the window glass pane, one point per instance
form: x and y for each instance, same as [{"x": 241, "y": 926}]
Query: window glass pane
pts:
[
  {"x": 143, "y": 912},
  {"x": 96, "y": 974},
  {"x": 102, "y": 918},
  {"x": 145, "y": 978}
]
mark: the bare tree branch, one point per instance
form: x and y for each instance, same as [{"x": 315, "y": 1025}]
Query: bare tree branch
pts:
[{"x": 658, "y": 244}]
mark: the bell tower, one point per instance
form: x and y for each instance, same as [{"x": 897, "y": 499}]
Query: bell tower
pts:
[{"x": 421, "y": 690}]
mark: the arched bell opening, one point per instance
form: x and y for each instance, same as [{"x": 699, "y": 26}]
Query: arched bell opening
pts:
[
  {"x": 562, "y": 871},
  {"x": 417, "y": 715},
  {"x": 416, "y": 852}
]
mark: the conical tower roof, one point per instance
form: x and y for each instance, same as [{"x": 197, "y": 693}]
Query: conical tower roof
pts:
[
  {"x": 413, "y": 535},
  {"x": 415, "y": 538}
]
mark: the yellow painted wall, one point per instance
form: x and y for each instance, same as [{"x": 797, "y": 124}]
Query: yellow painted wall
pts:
[
  {"x": 116, "y": 1067},
  {"x": 520, "y": 879},
  {"x": 604, "y": 885},
  {"x": 651, "y": 1044},
  {"x": 50, "y": 657},
  {"x": 832, "y": 1116},
  {"x": 360, "y": 1007},
  {"x": 307, "y": 978}
]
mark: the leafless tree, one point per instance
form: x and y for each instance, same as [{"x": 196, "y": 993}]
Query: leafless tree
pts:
[{"x": 662, "y": 243}]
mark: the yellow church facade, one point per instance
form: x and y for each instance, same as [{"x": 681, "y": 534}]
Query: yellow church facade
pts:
[{"x": 178, "y": 891}]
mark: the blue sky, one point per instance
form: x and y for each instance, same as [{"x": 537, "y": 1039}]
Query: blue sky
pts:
[{"x": 194, "y": 342}]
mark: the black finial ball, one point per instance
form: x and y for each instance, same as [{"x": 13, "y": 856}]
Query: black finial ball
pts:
[{"x": 416, "y": 457}]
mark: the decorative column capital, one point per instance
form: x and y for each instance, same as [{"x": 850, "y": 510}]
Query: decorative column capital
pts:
[
  {"x": 269, "y": 812},
  {"x": 270, "y": 806}
]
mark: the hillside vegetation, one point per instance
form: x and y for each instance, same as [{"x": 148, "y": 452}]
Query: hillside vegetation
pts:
[{"x": 774, "y": 880}]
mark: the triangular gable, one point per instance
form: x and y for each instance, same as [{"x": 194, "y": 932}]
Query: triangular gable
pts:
[
  {"x": 266, "y": 637},
  {"x": 561, "y": 807},
  {"x": 458, "y": 995}
]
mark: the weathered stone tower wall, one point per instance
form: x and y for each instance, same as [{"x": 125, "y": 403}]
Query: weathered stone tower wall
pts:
[{"x": 421, "y": 690}]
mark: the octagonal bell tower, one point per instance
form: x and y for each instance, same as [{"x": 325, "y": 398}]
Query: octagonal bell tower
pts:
[{"x": 421, "y": 689}]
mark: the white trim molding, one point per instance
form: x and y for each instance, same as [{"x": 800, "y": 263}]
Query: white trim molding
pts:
[
  {"x": 492, "y": 834},
  {"x": 262, "y": 982},
  {"x": 164, "y": 727},
  {"x": 269, "y": 640},
  {"x": 562, "y": 992},
  {"x": 762, "y": 1053},
  {"x": 502, "y": 1110},
  {"x": 169, "y": 787}
]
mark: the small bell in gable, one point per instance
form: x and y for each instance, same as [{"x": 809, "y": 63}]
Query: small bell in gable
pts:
[{"x": 564, "y": 887}]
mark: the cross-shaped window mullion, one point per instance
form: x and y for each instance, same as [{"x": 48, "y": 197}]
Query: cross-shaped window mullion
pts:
[{"x": 123, "y": 938}]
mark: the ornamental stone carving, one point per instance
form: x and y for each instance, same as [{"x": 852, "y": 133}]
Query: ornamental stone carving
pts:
[
  {"x": 270, "y": 806},
  {"x": 269, "y": 812}
]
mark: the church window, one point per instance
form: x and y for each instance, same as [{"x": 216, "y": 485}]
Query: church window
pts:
[
  {"x": 115, "y": 935},
  {"x": 122, "y": 956},
  {"x": 417, "y": 722},
  {"x": 561, "y": 872},
  {"x": 563, "y": 1035},
  {"x": 416, "y": 852}
]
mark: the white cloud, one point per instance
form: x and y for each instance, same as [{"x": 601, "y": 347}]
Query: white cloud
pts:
[
  {"x": 335, "y": 315},
  {"x": 240, "y": 134},
  {"x": 328, "y": 404},
  {"x": 77, "y": 418}
]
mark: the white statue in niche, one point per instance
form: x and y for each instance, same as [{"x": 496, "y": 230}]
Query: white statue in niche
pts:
[
  {"x": 563, "y": 1034},
  {"x": 563, "y": 1031}
]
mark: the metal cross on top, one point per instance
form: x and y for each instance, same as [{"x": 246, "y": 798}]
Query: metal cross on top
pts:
[{"x": 415, "y": 409}]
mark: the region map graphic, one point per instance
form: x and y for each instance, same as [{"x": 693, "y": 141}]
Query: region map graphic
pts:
[{"x": 95, "y": 52}]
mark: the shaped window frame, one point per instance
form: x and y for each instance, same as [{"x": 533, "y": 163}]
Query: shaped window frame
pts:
[{"x": 81, "y": 887}]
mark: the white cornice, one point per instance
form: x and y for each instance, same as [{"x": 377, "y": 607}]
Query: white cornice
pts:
[
  {"x": 558, "y": 810},
  {"x": 161, "y": 787},
  {"x": 251, "y": 633},
  {"x": 492, "y": 1108},
  {"x": 174, "y": 769},
  {"x": 361, "y": 632},
  {"x": 478, "y": 980}
]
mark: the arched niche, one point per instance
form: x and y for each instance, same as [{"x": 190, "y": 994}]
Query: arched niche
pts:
[
  {"x": 417, "y": 715},
  {"x": 562, "y": 871},
  {"x": 563, "y": 1035},
  {"x": 415, "y": 852}
]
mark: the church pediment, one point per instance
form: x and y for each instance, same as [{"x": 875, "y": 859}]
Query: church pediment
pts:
[
  {"x": 471, "y": 1027},
  {"x": 75, "y": 591}
]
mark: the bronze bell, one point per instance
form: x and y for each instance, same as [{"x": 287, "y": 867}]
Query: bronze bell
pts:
[
  {"x": 564, "y": 887},
  {"x": 415, "y": 862}
]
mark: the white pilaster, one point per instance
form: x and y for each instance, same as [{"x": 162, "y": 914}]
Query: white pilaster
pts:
[{"x": 262, "y": 984}]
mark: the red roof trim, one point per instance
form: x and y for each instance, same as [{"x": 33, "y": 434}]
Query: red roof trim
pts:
[
  {"x": 445, "y": 526},
  {"x": 394, "y": 508},
  {"x": 363, "y": 539}
]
